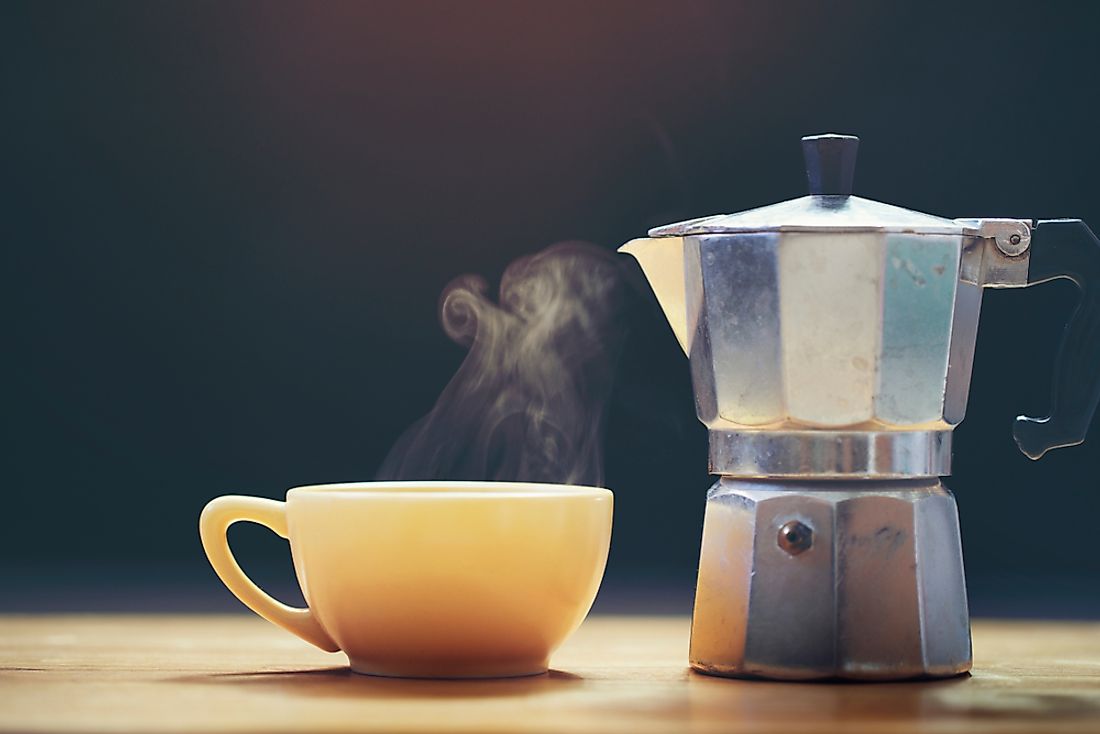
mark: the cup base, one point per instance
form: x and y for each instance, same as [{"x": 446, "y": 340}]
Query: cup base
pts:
[{"x": 450, "y": 670}]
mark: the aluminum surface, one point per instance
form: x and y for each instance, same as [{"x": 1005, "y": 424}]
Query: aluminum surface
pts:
[
  {"x": 821, "y": 330},
  {"x": 878, "y": 594},
  {"x": 1000, "y": 256},
  {"x": 857, "y": 332},
  {"x": 817, "y": 213},
  {"x": 831, "y": 454}
]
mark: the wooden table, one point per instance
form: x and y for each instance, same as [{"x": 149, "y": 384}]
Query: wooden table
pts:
[{"x": 617, "y": 674}]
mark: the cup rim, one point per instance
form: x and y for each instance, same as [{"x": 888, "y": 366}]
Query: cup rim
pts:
[{"x": 451, "y": 489}]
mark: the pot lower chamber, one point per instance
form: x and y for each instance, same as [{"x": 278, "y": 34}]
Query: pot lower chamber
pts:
[{"x": 842, "y": 579}]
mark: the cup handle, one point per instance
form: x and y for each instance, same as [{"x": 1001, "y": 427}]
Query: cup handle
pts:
[{"x": 216, "y": 518}]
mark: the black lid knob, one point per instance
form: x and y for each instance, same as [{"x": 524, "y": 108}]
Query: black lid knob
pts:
[{"x": 830, "y": 163}]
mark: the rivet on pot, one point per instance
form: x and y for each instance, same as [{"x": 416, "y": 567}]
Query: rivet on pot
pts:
[{"x": 795, "y": 537}]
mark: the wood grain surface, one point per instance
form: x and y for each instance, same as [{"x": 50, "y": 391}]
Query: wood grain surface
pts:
[{"x": 617, "y": 674}]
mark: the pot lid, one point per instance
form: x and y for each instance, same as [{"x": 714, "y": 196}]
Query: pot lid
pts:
[{"x": 830, "y": 166}]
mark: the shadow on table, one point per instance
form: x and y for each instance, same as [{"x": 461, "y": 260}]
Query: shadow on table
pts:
[
  {"x": 962, "y": 698},
  {"x": 700, "y": 698},
  {"x": 343, "y": 683}
]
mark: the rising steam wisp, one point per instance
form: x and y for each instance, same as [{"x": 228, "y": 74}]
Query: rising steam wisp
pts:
[{"x": 529, "y": 400}]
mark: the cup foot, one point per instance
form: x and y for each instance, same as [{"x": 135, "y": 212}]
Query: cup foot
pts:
[{"x": 450, "y": 670}]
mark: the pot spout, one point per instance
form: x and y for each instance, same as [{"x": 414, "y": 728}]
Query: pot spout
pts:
[{"x": 662, "y": 262}]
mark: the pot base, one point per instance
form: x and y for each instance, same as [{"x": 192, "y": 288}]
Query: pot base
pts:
[{"x": 816, "y": 580}]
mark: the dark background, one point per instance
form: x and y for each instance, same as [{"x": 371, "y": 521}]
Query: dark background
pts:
[{"x": 226, "y": 227}]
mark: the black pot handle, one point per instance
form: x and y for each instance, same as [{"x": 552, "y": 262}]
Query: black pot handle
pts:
[{"x": 1067, "y": 248}]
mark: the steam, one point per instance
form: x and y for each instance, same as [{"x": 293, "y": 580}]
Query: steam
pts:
[{"x": 528, "y": 402}]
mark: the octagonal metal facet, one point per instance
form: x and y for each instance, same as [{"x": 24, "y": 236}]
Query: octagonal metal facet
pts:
[
  {"x": 877, "y": 592},
  {"x": 829, "y": 330}
]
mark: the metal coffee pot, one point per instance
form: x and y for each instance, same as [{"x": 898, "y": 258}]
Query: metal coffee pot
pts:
[{"x": 831, "y": 340}]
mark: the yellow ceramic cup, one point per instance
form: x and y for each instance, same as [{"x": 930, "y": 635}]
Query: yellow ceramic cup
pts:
[{"x": 429, "y": 579}]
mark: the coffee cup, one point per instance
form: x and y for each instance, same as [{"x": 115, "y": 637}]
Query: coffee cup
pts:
[{"x": 428, "y": 579}]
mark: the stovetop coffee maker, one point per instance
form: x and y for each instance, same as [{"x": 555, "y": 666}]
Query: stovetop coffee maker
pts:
[{"x": 831, "y": 340}]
